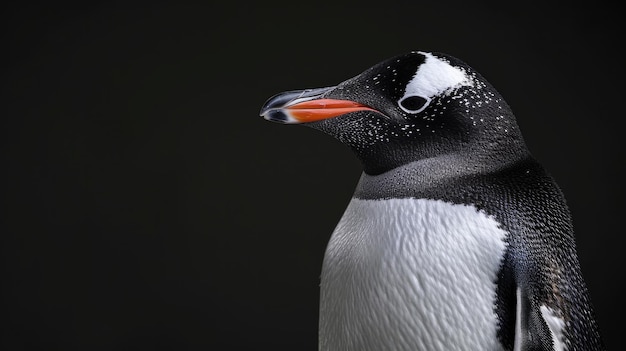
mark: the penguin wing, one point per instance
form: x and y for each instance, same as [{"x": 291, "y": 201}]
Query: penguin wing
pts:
[
  {"x": 538, "y": 326},
  {"x": 543, "y": 302},
  {"x": 545, "y": 282},
  {"x": 552, "y": 306}
]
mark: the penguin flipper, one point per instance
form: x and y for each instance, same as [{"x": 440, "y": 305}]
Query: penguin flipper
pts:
[{"x": 537, "y": 326}]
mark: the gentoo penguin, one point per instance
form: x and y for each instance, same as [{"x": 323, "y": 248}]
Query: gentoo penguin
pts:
[{"x": 456, "y": 238}]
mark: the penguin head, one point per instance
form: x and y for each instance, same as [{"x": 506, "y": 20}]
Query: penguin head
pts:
[{"x": 407, "y": 108}]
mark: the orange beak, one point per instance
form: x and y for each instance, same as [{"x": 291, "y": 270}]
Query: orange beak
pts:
[
  {"x": 316, "y": 110},
  {"x": 304, "y": 106}
]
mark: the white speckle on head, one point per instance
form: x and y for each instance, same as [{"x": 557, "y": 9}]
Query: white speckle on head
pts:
[
  {"x": 556, "y": 325},
  {"x": 434, "y": 77},
  {"x": 411, "y": 274}
]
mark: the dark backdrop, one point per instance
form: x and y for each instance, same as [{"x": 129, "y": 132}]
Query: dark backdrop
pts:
[{"x": 146, "y": 204}]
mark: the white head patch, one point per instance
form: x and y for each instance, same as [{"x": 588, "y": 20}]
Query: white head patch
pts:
[{"x": 433, "y": 77}]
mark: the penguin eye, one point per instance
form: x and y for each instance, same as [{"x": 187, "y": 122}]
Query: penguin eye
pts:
[{"x": 413, "y": 103}]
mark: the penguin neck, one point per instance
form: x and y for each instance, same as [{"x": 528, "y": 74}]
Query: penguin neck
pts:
[
  {"x": 417, "y": 177},
  {"x": 479, "y": 155}
]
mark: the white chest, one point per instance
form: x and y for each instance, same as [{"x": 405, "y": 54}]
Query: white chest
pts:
[{"x": 411, "y": 274}]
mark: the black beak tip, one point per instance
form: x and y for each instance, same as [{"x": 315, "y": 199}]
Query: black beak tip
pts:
[
  {"x": 283, "y": 99},
  {"x": 277, "y": 116},
  {"x": 279, "y": 100}
]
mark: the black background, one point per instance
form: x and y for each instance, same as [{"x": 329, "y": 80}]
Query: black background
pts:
[{"x": 148, "y": 205}]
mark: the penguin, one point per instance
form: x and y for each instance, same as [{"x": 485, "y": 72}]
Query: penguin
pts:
[{"x": 456, "y": 238}]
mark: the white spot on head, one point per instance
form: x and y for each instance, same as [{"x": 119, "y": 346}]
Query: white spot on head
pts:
[{"x": 434, "y": 77}]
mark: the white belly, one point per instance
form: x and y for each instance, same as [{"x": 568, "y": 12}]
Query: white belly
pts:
[{"x": 411, "y": 274}]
